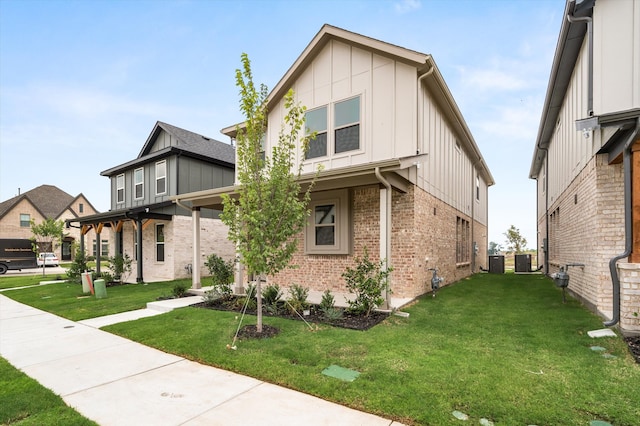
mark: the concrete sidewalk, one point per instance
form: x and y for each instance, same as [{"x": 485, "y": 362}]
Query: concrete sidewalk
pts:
[{"x": 115, "y": 381}]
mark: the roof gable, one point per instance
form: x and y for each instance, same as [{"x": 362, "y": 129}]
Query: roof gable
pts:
[
  {"x": 49, "y": 200},
  {"x": 181, "y": 141}
]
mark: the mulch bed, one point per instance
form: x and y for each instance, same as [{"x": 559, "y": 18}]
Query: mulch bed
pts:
[
  {"x": 348, "y": 320},
  {"x": 634, "y": 347}
]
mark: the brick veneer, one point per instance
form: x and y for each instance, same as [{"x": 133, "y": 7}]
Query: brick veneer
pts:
[{"x": 423, "y": 236}]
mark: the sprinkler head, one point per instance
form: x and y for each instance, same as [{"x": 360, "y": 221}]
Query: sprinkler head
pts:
[{"x": 234, "y": 347}]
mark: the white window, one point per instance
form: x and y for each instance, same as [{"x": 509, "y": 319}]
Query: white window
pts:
[
  {"x": 161, "y": 177},
  {"x": 160, "y": 242},
  {"x": 462, "y": 240},
  {"x": 345, "y": 125},
  {"x": 477, "y": 188},
  {"x": 25, "y": 220},
  {"x": 120, "y": 188},
  {"x": 104, "y": 248},
  {"x": 316, "y": 121},
  {"x": 327, "y": 230},
  {"x": 138, "y": 183}
]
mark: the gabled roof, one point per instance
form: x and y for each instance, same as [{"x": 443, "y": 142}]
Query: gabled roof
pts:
[
  {"x": 50, "y": 201},
  {"x": 188, "y": 143},
  {"x": 424, "y": 64}
]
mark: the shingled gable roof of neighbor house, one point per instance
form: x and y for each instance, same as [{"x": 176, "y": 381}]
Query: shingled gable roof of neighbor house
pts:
[
  {"x": 423, "y": 62},
  {"x": 50, "y": 201},
  {"x": 188, "y": 143}
]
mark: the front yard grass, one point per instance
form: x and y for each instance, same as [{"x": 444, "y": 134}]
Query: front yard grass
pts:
[
  {"x": 500, "y": 347},
  {"x": 26, "y": 280},
  {"x": 23, "y": 401},
  {"x": 67, "y": 300}
]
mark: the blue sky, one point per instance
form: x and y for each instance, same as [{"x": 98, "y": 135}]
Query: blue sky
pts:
[{"x": 82, "y": 83}]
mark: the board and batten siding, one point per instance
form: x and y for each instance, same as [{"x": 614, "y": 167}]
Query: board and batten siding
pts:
[{"x": 387, "y": 90}]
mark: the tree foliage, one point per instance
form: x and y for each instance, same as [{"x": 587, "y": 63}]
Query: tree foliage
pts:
[
  {"x": 516, "y": 243},
  {"x": 47, "y": 235},
  {"x": 271, "y": 209}
]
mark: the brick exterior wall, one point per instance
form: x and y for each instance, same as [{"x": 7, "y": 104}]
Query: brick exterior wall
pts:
[
  {"x": 589, "y": 229},
  {"x": 178, "y": 235},
  {"x": 423, "y": 236},
  {"x": 629, "y": 297}
]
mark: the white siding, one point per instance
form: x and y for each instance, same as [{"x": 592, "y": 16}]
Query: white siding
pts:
[{"x": 616, "y": 33}]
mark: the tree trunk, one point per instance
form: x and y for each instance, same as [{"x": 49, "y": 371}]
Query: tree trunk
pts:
[{"x": 259, "y": 303}]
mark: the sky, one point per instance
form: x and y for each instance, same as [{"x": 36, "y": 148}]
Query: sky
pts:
[{"x": 82, "y": 83}]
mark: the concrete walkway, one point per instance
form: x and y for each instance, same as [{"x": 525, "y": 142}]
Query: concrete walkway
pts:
[{"x": 115, "y": 381}]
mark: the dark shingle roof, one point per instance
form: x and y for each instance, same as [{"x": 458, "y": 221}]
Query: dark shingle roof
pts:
[
  {"x": 49, "y": 200},
  {"x": 187, "y": 142}
]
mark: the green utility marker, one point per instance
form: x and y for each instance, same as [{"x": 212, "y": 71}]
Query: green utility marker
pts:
[{"x": 341, "y": 373}]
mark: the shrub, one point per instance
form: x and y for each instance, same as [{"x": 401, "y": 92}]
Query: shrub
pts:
[
  {"x": 251, "y": 296},
  {"x": 367, "y": 281},
  {"x": 179, "y": 290},
  {"x": 78, "y": 266},
  {"x": 271, "y": 296},
  {"x": 297, "y": 301},
  {"x": 210, "y": 297},
  {"x": 328, "y": 301},
  {"x": 332, "y": 314},
  {"x": 119, "y": 267},
  {"x": 221, "y": 271}
]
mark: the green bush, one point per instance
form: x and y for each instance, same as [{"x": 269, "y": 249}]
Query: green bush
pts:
[
  {"x": 77, "y": 267},
  {"x": 119, "y": 267},
  {"x": 221, "y": 270},
  {"x": 251, "y": 303},
  {"x": 327, "y": 301},
  {"x": 367, "y": 281},
  {"x": 297, "y": 301},
  {"x": 271, "y": 296},
  {"x": 179, "y": 290}
]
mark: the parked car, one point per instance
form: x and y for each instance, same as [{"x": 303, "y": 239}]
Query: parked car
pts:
[
  {"x": 49, "y": 259},
  {"x": 17, "y": 254}
]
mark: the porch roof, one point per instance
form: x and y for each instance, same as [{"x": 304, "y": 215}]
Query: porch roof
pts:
[{"x": 396, "y": 171}]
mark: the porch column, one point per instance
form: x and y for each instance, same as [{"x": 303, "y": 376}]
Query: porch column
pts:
[
  {"x": 195, "y": 267},
  {"x": 139, "y": 277},
  {"x": 98, "y": 254}
]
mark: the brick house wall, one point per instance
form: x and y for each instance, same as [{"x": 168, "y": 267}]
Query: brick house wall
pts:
[
  {"x": 178, "y": 247},
  {"x": 588, "y": 228},
  {"x": 423, "y": 236},
  {"x": 10, "y": 222}
]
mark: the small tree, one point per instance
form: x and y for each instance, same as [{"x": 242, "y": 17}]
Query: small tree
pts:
[
  {"x": 120, "y": 267},
  {"x": 516, "y": 243},
  {"x": 494, "y": 248},
  {"x": 270, "y": 210},
  {"x": 78, "y": 266},
  {"x": 47, "y": 235},
  {"x": 367, "y": 281}
]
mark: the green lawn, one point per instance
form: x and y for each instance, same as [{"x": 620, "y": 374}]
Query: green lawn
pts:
[
  {"x": 68, "y": 301},
  {"x": 26, "y": 280},
  {"x": 23, "y": 401},
  {"x": 500, "y": 347}
]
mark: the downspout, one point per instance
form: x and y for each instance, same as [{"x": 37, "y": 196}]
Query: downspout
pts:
[
  {"x": 387, "y": 248},
  {"x": 546, "y": 209},
  {"x": 419, "y": 109},
  {"x": 474, "y": 188},
  {"x": 589, "y": 22},
  {"x": 628, "y": 225}
]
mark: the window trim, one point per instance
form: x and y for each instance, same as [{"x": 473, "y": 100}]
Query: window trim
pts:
[
  {"x": 160, "y": 243},
  {"x": 27, "y": 223},
  {"x": 163, "y": 177},
  {"x": 342, "y": 238},
  {"x": 140, "y": 183},
  {"x": 119, "y": 181}
]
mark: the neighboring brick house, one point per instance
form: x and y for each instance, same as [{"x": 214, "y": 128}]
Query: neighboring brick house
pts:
[
  {"x": 402, "y": 174},
  {"x": 587, "y": 161},
  {"x": 150, "y": 228},
  {"x": 49, "y": 202}
]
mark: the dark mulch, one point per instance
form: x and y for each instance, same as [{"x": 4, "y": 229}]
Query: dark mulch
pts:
[
  {"x": 348, "y": 320},
  {"x": 634, "y": 347}
]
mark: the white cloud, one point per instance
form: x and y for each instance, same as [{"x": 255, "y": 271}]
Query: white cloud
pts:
[{"x": 406, "y": 6}]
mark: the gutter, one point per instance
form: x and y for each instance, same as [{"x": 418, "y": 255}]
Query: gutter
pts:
[
  {"x": 628, "y": 225},
  {"x": 387, "y": 248}
]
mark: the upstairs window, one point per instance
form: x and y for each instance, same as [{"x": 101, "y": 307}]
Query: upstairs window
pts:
[
  {"x": 477, "y": 188},
  {"x": 138, "y": 183},
  {"x": 161, "y": 177},
  {"x": 25, "y": 220},
  {"x": 120, "y": 188},
  {"x": 343, "y": 118},
  {"x": 316, "y": 121},
  {"x": 347, "y": 125},
  {"x": 81, "y": 208}
]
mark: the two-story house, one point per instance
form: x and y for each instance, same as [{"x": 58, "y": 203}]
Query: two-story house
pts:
[
  {"x": 402, "y": 174},
  {"x": 50, "y": 202},
  {"x": 586, "y": 160},
  {"x": 146, "y": 224}
]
